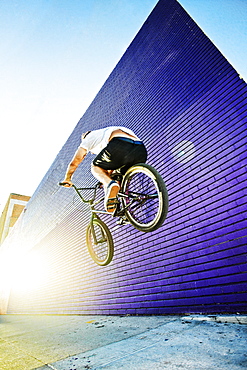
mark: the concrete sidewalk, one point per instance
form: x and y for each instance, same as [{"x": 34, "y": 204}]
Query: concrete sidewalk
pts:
[{"x": 122, "y": 342}]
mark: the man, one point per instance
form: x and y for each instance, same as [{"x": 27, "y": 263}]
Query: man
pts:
[{"x": 115, "y": 147}]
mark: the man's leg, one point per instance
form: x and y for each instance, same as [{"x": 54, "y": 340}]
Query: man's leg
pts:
[
  {"x": 111, "y": 187},
  {"x": 101, "y": 175}
]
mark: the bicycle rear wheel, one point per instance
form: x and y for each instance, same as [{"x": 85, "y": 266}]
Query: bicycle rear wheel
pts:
[
  {"x": 147, "y": 198},
  {"x": 99, "y": 242}
]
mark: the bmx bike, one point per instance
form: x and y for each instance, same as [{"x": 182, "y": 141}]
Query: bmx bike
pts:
[{"x": 142, "y": 201}]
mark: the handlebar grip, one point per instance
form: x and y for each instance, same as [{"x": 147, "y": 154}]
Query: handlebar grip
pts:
[{"x": 63, "y": 183}]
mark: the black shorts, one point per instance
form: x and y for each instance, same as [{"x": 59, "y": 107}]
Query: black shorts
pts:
[{"x": 121, "y": 152}]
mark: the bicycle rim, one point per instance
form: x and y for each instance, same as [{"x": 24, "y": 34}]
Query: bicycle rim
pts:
[
  {"x": 147, "y": 202},
  {"x": 100, "y": 247}
]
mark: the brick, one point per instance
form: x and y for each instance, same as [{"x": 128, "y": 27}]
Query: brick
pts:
[{"x": 196, "y": 261}]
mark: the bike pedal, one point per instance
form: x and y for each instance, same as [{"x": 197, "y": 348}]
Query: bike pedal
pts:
[
  {"x": 112, "y": 204},
  {"x": 122, "y": 222}
]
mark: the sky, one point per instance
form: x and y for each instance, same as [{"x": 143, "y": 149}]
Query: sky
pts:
[{"x": 55, "y": 55}]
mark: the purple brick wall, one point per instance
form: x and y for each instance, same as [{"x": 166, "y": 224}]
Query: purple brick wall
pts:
[{"x": 178, "y": 93}]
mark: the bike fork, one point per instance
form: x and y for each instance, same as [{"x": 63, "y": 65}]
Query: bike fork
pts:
[{"x": 99, "y": 240}]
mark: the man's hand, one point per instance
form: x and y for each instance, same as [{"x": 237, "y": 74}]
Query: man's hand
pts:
[{"x": 66, "y": 183}]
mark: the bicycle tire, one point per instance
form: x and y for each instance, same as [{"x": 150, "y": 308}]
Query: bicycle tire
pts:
[
  {"x": 101, "y": 252},
  {"x": 148, "y": 212}
]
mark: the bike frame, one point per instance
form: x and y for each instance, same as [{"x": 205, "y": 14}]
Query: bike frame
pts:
[
  {"x": 92, "y": 203},
  {"x": 94, "y": 212}
]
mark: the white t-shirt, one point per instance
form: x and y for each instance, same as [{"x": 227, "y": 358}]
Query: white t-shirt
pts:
[{"x": 97, "y": 140}]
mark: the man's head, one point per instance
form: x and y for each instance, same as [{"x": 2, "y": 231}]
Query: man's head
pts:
[{"x": 85, "y": 134}]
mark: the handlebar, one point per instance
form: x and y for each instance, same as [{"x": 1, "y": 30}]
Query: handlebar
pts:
[
  {"x": 97, "y": 186},
  {"x": 63, "y": 184}
]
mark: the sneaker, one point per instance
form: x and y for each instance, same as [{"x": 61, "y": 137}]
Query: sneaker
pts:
[{"x": 110, "y": 196}]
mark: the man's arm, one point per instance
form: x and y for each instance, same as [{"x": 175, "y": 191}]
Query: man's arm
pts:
[{"x": 80, "y": 154}]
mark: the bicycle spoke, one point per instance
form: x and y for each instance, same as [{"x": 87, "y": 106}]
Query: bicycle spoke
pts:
[
  {"x": 145, "y": 200},
  {"x": 144, "y": 206}
]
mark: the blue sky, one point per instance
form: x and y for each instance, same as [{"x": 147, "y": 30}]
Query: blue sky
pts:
[
  {"x": 225, "y": 23},
  {"x": 56, "y": 55}
]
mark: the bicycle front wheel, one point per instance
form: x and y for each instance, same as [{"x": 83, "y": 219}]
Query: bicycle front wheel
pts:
[
  {"x": 146, "y": 201},
  {"x": 99, "y": 242}
]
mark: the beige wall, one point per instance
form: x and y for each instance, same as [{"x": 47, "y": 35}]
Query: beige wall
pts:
[{"x": 12, "y": 210}]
